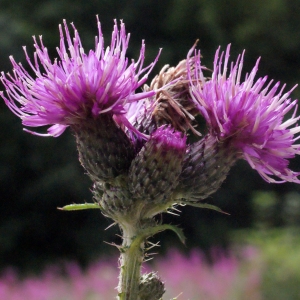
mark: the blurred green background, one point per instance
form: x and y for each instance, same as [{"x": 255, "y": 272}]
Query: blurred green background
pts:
[{"x": 37, "y": 175}]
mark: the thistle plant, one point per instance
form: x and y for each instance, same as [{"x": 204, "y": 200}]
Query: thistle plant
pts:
[{"x": 142, "y": 148}]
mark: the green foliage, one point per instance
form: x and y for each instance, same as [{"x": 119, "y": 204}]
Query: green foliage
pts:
[
  {"x": 272, "y": 210},
  {"x": 280, "y": 254}
]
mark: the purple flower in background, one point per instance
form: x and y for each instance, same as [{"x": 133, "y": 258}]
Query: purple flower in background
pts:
[
  {"x": 248, "y": 116},
  {"x": 76, "y": 85}
]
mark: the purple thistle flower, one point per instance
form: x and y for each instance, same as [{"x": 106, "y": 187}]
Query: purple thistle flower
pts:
[
  {"x": 154, "y": 172},
  {"x": 248, "y": 116},
  {"x": 77, "y": 85}
]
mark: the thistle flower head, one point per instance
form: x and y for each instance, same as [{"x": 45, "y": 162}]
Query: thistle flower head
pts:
[
  {"x": 173, "y": 104},
  {"x": 76, "y": 85},
  {"x": 249, "y": 115},
  {"x": 154, "y": 172}
]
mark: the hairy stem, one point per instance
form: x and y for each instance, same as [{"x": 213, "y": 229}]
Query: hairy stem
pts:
[{"x": 132, "y": 255}]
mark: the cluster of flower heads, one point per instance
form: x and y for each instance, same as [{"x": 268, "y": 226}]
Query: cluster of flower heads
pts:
[{"x": 246, "y": 118}]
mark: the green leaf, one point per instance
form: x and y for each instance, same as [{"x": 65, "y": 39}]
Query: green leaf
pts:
[
  {"x": 147, "y": 232},
  {"x": 175, "y": 229},
  {"x": 207, "y": 206},
  {"x": 82, "y": 206}
]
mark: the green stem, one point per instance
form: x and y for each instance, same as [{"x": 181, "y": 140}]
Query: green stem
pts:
[{"x": 132, "y": 255}]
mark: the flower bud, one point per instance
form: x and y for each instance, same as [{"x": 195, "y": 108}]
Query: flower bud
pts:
[
  {"x": 151, "y": 287},
  {"x": 115, "y": 200},
  {"x": 206, "y": 166},
  {"x": 154, "y": 172}
]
